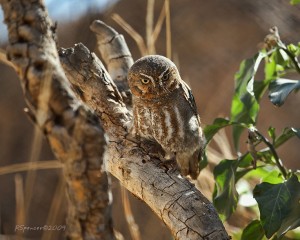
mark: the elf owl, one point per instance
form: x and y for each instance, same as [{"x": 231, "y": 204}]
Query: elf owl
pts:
[{"x": 164, "y": 111}]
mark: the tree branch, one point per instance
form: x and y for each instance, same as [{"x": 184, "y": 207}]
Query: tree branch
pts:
[
  {"x": 74, "y": 133},
  {"x": 116, "y": 55},
  {"x": 274, "y": 153}
]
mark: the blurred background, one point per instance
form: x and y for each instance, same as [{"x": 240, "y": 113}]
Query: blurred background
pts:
[{"x": 209, "y": 39}]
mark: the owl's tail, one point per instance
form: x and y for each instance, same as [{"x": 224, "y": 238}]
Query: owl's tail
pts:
[
  {"x": 194, "y": 165},
  {"x": 188, "y": 163}
]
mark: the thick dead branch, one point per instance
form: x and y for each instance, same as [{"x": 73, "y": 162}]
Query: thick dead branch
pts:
[
  {"x": 113, "y": 49},
  {"x": 73, "y": 131},
  {"x": 93, "y": 83},
  {"x": 187, "y": 213},
  {"x": 116, "y": 55}
]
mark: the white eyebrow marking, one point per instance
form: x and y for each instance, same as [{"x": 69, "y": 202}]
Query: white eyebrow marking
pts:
[
  {"x": 161, "y": 75},
  {"x": 149, "y": 77}
]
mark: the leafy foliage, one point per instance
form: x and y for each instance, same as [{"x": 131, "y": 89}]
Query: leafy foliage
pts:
[
  {"x": 254, "y": 230},
  {"x": 225, "y": 195},
  {"x": 278, "y": 194},
  {"x": 277, "y": 203},
  {"x": 245, "y": 107}
]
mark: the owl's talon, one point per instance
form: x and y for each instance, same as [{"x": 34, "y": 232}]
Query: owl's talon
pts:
[
  {"x": 134, "y": 150},
  {"x": 169, "y": 165},
  {"x": 153, "y": 149}
]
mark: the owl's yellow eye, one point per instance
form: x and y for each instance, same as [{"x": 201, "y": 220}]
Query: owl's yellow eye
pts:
[{"x": 145, "y": 80}]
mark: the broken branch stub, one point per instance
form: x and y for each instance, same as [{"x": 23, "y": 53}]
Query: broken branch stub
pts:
[
  {"x": 116, "y": 55},
  {"x": 89, "y": 77}
]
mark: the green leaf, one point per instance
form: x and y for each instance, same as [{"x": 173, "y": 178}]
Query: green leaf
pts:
[
  {"x": 225, "y": 196},
  {"x": 295, "y": 50},
  {"x": 211, "y": 130},
  {"x": 245, "y": 160},
  {"x": 246, "y": 73},
  {"x": 294, "y": 2},
  {"x": 281, "y": 58},
  {"x": 280, "y": 89},
  {"x": 244, "y": 107},
  {"x": 254, "y": 230},
  {"x": 286, "y": 135},
  {"x": 276, "y": 204},
  {"x": 265, "y": 172},
  {"x": 260, "y": 88},
  {"x": 273, "y": 177},
  {"x": 271, "y": 73},
  {"x": 292, "y": 221},
  {"x": 241, "y": 173},
  {"x": 271, "y": 132},
  {"x": 244, "y": 112},
  {"x": 236, "y": 134},
  {"x": 270, "y": 67}
]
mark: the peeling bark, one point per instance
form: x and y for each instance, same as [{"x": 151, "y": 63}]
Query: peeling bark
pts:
[{"x": 77, "y": 137}]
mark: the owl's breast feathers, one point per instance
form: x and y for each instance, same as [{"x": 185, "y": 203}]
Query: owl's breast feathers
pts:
[{"x": 172, "y": 121}]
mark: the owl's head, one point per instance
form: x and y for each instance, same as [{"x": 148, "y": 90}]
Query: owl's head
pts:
[{"x": 153, "y": 76}]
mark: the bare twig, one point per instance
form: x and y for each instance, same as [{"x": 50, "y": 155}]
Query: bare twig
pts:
[
  {"x": 20, "y": 206},
  {"x": 36, "y": 147},
  {"x": 55, "y": 209},
  {"x": 28, "y": 166},
  {"x": 159, "y": 23},
  {"x": 149, "y": 26},
  {"x": 274, "y": 153},
  {"x": 168, "y": 30},
  {"x": 132, "y": 225},
  {"x": 136, "y": 36}
]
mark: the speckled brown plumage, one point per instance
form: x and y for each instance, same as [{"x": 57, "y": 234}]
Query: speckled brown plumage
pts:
[{"x": 164, "y": 110}]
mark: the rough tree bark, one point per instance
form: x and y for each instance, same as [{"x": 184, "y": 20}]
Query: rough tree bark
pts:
[
  {"x": 77, "y": 139},
  {"x": 74, "y": 133}
]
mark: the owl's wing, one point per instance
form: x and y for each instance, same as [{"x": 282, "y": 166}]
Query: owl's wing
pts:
[{"x": 189, "y": 97}]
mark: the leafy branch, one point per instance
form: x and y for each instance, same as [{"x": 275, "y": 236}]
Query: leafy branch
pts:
[
  {"x": 278, "y": 195},
  {"x": 274, "y": 153}
]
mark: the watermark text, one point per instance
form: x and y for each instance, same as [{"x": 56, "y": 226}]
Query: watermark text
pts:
[{"x": 24, "y": 228}]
